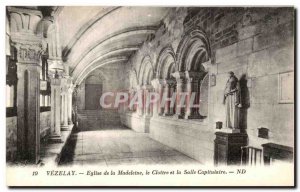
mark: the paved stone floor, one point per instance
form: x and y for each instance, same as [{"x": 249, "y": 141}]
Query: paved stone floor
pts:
[{"x": 118, "y": 146}]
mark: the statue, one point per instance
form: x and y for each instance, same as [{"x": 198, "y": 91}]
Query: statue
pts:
[{"x": 232, "y": 101}]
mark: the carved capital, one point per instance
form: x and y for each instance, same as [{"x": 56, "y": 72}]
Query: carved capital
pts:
[
  {"x": 155, "y": 83},
  {"x": 28, "y": 52},
  {"x": 192, "y": 76},
  {"x": 171, "y": 83},
  {"x": 24, "y": 21},
  {"x": 179, "y": 76},
  {"x": 55, "y": 81}
]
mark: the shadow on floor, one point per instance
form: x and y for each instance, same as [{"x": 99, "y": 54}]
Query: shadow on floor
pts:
[{"x": 67, "y": 153}]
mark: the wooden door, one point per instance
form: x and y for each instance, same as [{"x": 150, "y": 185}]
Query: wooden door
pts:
[{"x": 93, "y": 93}]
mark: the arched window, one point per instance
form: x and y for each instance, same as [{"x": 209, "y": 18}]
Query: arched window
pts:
[
  {"x": 165, "y": 69},
  {"x": 146, "y": 74},
  {"x": 192, "y": 52}
]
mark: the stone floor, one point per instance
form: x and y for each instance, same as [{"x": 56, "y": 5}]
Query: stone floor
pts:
[
  {"x": 50, "y": 152},
  {"x": 118, "y": 146}
]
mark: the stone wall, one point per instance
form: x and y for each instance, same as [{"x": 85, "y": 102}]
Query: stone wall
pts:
[
  {"x": 11, "y": 133},
  {"x": 257, "y": 44},
  {"x": 11, "y": 138},
  {"x": 134, "y": 121},
  {"x": 264, "y": 49},
  {"x": 112, "y": 78}
]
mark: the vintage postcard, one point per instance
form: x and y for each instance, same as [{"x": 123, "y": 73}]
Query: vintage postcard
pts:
[{"x": 150, "y": 96}]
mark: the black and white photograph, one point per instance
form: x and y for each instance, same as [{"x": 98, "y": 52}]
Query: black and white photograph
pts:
[{"x": 150, "y": 95}]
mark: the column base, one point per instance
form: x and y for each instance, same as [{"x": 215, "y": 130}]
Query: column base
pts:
[
  {"x": 147, "y": 116},
  {"x": 55, "y": 139},
  {"x": 168, "y": 114},
  {"x": 193, "y": 116},
  {"x": 155, "y": 115},
  {"x": 178, "y": 116},
  {"x": 65, "y": 128},
  {"x": 70, "y": 123}
]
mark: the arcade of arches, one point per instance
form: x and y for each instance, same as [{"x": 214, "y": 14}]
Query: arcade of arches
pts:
[{"x": 60, "y": 60}]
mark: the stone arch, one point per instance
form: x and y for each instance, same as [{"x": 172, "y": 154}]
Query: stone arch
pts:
[
  {"x": 193, "y": 50},
  {"x": 146, "y": 71},
  {"x": 94, "y": 79},
  {"x": 165, "y": 63},
  {"x": 133, "y": 78},
  {"x": 45, "y": 27},
  {"x": 99, "y": 75},
  {"x": 147, "y": 74}
]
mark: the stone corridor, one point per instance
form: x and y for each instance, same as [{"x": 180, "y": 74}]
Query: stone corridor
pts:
[
  {"x": 111, "y": 146},
  {"x": 94, "y": 68}
]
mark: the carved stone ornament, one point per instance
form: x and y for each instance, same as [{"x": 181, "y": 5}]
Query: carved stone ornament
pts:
[{"x": 28, "y": 53}]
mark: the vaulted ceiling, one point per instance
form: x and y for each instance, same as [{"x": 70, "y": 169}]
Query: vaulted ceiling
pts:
[{"x": 95, "y": 36}]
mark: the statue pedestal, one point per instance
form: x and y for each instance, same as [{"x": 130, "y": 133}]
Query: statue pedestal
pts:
[
  {"x": 230, "y": 130},
  {"x": 227, "y": 150}
]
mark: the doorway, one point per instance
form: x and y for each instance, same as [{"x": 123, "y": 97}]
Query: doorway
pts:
[{"x": 93, "y": 93}]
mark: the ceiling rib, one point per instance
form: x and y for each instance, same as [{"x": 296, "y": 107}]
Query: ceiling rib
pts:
[
  {"x": 83, "y": 74},
  {"x": 107, "y": 54},
  {"x": 85, "y": 27},
  {"x": 124, "y": 33}
]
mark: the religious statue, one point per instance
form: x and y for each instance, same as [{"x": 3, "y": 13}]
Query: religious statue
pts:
[{"x": 232, "y": 101}]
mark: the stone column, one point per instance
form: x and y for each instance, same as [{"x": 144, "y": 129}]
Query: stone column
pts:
[
  {"x": 139, "y": 108},
  {"x": 74, "y": 105},
  {"x": 169, "y": 91},
  {"x": 70, "y": 93},
  {"x": 180, "y": 86},
  {"x": 28, "y": 100},
  {"x": 29, "y": 48},
  {"x": 64, "y": 120},
  {"x": 192, "y": 86},
  {"x": 147, "y": 105},
  {"x": 156, "y": 86},
  {"x": 144, "y": 96},
  {"x": 131, "y": 93},
  {"x": 150, "y": 107},
  {"x": 166, "y": 92},
  {"x": 160, "y": 92},
  {"x": 55, "y": 134},
  {"x": 172, "y": 88}
]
